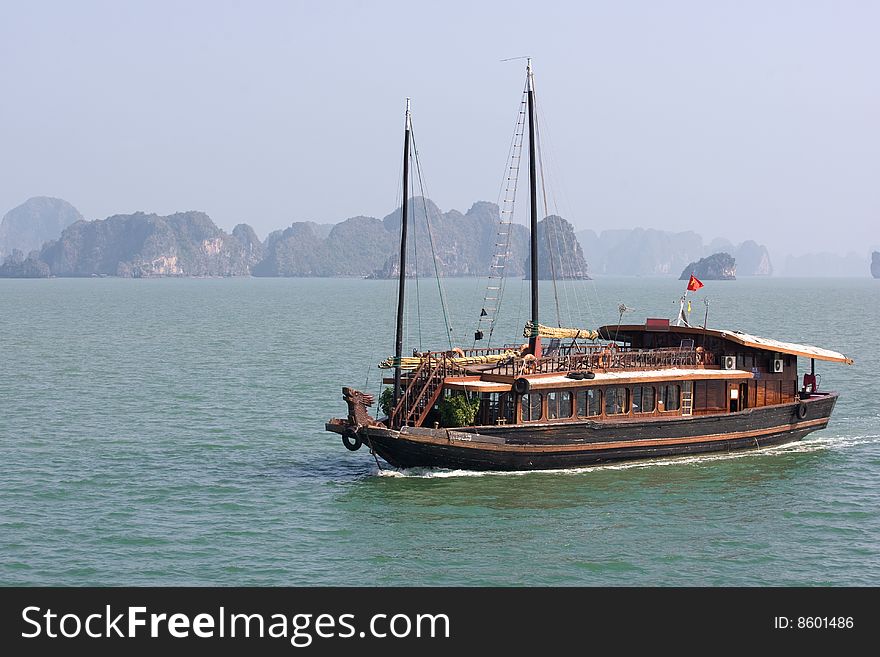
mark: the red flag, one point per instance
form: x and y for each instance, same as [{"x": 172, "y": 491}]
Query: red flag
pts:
[{"x": 694, "y": 284}]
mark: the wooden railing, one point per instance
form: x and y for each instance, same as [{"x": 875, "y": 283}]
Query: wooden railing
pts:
[
  {"x": 479, "y": 351},
  {"x": 605, "y": 359}
]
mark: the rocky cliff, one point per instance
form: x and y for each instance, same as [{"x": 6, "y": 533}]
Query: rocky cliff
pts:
[
  {"x": 752, "y": 259},
  {"x": 34, "y": 222},
  {"x": 463, "y": 243},
  {"x": 146, "y": 245},
  {"x": 354, "y": 247},
  {"x": 716, "y": 267},
  {"x": 295, "y": 251},
  {"x": 247, "y": 237},
  {"x": 560, "y": 254},
  {"x": 17, "y": 266}
]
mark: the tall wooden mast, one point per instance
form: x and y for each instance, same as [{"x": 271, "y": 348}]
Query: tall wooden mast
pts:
[
  {"x": 534, "y": 339},
  {"x": 401, "y": 286}
]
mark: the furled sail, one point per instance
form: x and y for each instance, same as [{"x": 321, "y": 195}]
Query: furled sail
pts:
[
  {"x": 561, "y": 333},
  {"x": 413, "y": 362}
]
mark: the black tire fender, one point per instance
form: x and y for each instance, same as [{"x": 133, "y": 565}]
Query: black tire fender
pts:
[
  {"x": 351, "y": 440},
  {"x": 802, "y": 410},
  {"x": 521, "y": 386}
]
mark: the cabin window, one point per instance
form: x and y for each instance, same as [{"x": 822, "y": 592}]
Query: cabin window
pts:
[
  {"x": 616, "y": 401},
  {"x": 558, "y": 404},
  {"x": 671, "y": 394},
  {"x": 589, "y": 403},
  {"x": 644, "y": 400},
  {"x": 488, "y": 408},
  {"x": 508, "y": 408},
  {"x": 565, "y": 403},
  {"x": 495, "y": 408},
  {"x": 532, "y": 404}
]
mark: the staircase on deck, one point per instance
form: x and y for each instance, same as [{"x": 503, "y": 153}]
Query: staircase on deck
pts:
[{"x": 419, "y": 394}]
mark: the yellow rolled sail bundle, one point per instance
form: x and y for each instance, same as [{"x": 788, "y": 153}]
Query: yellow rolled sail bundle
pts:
[
  {"x": 406, "y": 363},
  {"x": 413, "y": 362},
  {"x": 561, "y": 333}
]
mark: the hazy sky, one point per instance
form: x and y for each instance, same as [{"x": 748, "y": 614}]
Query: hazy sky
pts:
[{"x": 737, "y": 119}]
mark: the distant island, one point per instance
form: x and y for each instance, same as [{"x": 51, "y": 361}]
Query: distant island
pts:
[
  {"x": 560, "y": 255},
  {"x": 650, "y": 252},
  {"x": 39, "y": 219},
  {"x": 875, "y": 264},
  {"x": 717, "y": 267},
  {"x": 48, "y": 237},
  {"x": 366, "y": 246},
  {"x": 142, "y": 245}
]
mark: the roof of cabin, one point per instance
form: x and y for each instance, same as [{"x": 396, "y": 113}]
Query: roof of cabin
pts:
[{"x": 625, "y": 332}]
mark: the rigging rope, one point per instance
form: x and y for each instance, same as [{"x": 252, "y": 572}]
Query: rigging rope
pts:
[
  {"x": 415, "y": 247},
  {"x": 443, "y": 306},
  {"x": 390, "y": 293},
  {"x": 568, "y": 253},
  {"x": 494, "y": 294},
  {"x": 547, "y": 226}
]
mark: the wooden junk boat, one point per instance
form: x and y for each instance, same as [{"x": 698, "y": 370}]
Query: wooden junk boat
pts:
[{"x": 634, "y": 391}]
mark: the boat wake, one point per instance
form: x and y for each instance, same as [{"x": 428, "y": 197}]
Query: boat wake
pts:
[{"x": 802, "y": 447}]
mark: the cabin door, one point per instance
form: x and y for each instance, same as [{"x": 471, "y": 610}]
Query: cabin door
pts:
[
  {"x": 743, "y": 396},
  {"x": 735, "y": 396}
]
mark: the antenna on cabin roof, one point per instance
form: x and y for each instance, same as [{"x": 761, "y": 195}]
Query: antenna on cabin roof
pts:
[{"x": 622, "y": 308}]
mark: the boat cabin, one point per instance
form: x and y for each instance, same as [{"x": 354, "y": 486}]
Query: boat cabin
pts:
[{"x": 648, "y": 371}]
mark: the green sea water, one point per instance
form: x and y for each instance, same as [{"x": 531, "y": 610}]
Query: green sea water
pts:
[{"x": 170, "y": 432}]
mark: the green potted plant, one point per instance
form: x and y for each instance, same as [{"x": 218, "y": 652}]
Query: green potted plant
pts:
[{"x": 458, "y": 410}]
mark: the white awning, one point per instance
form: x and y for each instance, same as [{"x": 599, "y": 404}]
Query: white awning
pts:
[{"x": 804, "y": 350}]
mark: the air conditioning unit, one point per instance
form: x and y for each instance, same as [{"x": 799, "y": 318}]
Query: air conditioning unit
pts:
[
  {"x": 777, "y": 365},
  {"x": 730, "y": 362}
]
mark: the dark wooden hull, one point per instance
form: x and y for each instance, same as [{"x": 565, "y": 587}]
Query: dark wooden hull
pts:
[{"x": 577, "y": 444}]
